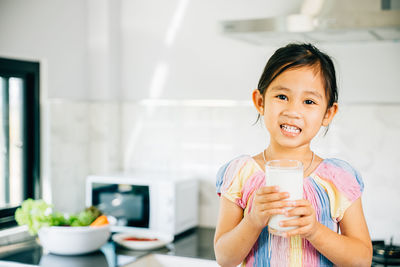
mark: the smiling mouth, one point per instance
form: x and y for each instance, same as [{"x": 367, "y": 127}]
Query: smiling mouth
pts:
[{"x": 290, "y": 128}]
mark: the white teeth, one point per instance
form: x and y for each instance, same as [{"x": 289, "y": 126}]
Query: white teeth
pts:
[{"x": 291, "y": 129}]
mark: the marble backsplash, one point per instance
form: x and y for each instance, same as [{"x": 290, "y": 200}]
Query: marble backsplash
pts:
[{"x": 198, "y": 137}]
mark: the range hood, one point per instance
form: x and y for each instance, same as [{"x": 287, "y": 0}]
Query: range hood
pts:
[{"x": 323, "y": 21}]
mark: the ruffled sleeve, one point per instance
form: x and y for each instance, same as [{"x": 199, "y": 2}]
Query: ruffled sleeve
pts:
[
  {"x": 237, "y": 180},
  {"x": 343, "y": 184}
]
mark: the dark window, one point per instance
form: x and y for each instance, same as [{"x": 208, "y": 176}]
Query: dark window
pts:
[{"x": 19, "y": 136}]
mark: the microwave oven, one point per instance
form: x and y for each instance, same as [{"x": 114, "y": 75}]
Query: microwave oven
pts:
[{"x": 154, "y": 203}]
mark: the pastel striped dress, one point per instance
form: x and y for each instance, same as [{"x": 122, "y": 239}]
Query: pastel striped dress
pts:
[{"x": 331, "y": 188}]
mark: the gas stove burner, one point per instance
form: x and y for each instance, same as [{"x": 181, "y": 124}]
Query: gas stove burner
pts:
[{"x": 386, "y": 254}]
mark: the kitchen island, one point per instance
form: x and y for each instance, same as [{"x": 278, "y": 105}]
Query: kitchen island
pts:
[{"x": 196, "y": 243}]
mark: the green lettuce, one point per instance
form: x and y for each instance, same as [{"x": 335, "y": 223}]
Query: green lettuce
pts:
[
  {"x": 85, "y": 217},
  {"x": 37, "y": 213}
]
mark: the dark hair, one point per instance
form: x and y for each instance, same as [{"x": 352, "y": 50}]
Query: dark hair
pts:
[{"x": 300, "y": 55}]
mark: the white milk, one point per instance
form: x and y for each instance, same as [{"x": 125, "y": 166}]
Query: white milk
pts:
[{"x": 289, "y": 179}]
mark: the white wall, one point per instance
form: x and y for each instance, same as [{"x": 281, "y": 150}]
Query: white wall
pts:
[
  {"x": 52, "y": 32},
  {"x": 189, "y": 59},
  {"x": 367, "y": 71}
]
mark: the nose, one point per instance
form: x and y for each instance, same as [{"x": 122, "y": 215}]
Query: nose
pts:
[
  {"x": 292, "y": 111},
  {"x": 291, "y": 114}
]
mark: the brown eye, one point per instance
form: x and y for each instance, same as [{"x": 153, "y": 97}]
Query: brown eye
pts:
[
  {"x": 309, "y": 102},
  {"x": 282, "y": 97}
]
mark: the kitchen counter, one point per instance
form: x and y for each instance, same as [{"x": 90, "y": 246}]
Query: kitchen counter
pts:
[{"x": 195, "y": 243}]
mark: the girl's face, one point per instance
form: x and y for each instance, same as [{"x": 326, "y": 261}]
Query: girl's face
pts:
[{"x": 294, "y": 107}]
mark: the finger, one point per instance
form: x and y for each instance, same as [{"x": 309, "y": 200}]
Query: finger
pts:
[
  {"x": 273, "y": 205},
  {"x": 268, "y": 189},
  {"x": 298, "y": 203},
  {"x": 299, "y": 211},
  {"x": 274, "y": 212},
  {"x": 272, "y": 197},
  {"x": 302, "y": 221}
]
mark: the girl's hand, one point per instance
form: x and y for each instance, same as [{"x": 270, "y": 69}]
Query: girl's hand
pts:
[
  {"x": 267, "y": 201},
  {"x": 307, "y": 222}
]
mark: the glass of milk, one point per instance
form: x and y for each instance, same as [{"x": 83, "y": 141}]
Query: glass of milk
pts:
[{"x": 288, "y": 175}]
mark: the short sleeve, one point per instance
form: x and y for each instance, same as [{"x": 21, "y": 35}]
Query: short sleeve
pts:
[
  {"x": 237, "y": 179},
  {"x": 229, "y": 180},
  {"x": 343, "y": 184}
]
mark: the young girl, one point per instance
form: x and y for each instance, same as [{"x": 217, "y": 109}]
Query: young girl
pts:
[{"x": 296, "y": 95}]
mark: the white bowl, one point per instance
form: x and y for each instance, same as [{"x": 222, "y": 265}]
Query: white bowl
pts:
[
  {"x": 73, "y": 240},
  {"x": 95, "y": 259}
]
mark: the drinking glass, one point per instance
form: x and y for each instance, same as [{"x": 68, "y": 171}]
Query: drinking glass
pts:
[{"x": 288, "y": 175}]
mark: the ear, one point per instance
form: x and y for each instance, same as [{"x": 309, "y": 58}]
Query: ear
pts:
[
  {"x": 258, "y": 101},
  {"x": 330, "y": 113}
]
